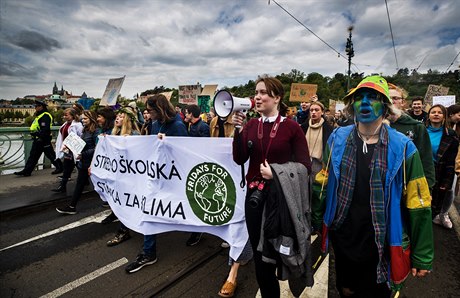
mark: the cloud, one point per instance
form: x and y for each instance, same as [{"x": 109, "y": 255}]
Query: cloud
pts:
[
  {"x": 82, "y": 43},
  {"x": 34, "y": 41}
]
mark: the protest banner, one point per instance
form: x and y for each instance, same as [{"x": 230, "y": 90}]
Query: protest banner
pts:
[
  {"x": 170, "y": 188},
  {"x": 446, "y": 100},
  {"x": 434, "y": 90},
  {"x": 302, "y": 92},
  {"x": 188, "y": 94},
  {"x": 74, "y": 143},
  {"x": 111, "y": 92}
]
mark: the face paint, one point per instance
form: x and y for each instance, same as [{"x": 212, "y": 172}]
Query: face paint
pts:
[{"x": 367, "y": 106}]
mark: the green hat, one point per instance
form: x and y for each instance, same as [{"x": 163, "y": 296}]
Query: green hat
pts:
[{"x": 377, "y": 83}]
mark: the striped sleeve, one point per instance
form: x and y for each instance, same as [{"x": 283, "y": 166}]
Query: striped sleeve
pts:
[{"x": 418, "y": 204}]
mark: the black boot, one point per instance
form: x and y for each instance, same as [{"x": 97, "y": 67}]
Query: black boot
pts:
[
  {"x": 59, "y": 167},
  {"x": 62, "y": 186},
  {"x": 22, "y": 173}
]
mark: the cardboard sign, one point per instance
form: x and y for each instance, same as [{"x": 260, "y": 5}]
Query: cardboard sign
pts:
[
  {"x": 302, "y": 92},
  {"x": 111, "y": 92},
  {"x": 435, "y": 90},
  {"x": 74, "y": 143},
  {"x": 188, "y": 94},
  {"x": 446, "y": 100}
]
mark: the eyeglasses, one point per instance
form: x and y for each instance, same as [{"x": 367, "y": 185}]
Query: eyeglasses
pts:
[{"x": 396, "y": 98}]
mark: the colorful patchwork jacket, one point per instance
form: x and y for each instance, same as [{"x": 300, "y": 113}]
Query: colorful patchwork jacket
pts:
[{"x": 408, "y": 227}]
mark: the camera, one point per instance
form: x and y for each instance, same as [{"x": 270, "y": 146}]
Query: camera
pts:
[{"x": 257, "y": 196}]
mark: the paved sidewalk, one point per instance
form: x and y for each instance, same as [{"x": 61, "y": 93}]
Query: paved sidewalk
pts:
[{"x": 19, "y": 192}]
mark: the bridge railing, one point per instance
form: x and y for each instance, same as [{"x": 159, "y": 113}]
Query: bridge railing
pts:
[{"x": 15, "y": 145}]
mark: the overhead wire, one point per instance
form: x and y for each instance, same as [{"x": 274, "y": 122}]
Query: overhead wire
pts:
[
  {"x": 392, "y": 38},
  {"x": 452, "y": 63},
  {"x": 303, "y": 25}
]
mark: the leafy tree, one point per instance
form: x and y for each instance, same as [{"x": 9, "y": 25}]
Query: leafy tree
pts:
[{"x": 18, "y": 115}]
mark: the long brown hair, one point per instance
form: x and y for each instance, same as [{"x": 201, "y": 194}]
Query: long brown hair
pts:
[
  {"x": 92, "y": 116},
  {"x": 164, "y": 109}
]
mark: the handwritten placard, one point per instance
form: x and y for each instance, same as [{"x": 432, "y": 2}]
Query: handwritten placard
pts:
[
  {"x": 302, "y": 92},
  {"x": 446, "y": 100},
  {"x": 188, "y": 94},
  {"x": 74, "y": 143},
  {"x": 435, "y": 90}
]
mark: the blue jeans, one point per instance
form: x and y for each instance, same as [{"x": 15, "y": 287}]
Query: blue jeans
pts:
[{"x": 150, "y": 245}]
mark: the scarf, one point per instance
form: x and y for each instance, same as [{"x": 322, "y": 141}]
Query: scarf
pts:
[{"x": 314, "y": 138}]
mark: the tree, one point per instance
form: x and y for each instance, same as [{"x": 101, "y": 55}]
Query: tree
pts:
[{"x": 18, "y": 115}]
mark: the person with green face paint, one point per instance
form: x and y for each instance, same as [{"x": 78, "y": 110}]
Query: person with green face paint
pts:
[{"x": 377, "y": 202}]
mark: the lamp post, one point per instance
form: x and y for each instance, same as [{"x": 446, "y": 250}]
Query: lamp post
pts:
[{"x": 350, "y": 53}]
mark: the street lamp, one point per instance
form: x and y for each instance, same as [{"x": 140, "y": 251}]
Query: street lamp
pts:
[{"x": 350, "y": 53}]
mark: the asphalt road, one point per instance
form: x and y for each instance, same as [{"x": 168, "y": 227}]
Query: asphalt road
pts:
[{"x": 71, "y": 258}]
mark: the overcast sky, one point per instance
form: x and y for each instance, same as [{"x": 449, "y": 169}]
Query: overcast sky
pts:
[{"x": 81, "y": 44}]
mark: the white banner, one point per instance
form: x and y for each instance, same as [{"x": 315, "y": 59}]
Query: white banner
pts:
[{"x": 174, "y": 184}]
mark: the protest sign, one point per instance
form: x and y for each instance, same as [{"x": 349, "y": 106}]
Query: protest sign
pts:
[
  {"x": 170, "y": 188},
  {"x": 302, "y": 92},
  {"x": 435, "y": 90},
  {"x": 188, "y": 94},
  {"x": 111, "y": 92},
  {"x": 74, "y": 143},
  {"x": 446, "y": 100},
  {"x": 204, "y": 102},
  {"x": 168, "y": 95}
]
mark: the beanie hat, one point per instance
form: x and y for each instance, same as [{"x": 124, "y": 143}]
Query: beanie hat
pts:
[{"x": 376, "y": 83}]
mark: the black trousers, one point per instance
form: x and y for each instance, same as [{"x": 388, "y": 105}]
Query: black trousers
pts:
[
  {"x": 265, "y": 272},
  {"x": 39, "y": 147},
  {"x": 82, "y": 180},
  {"x": 68, "y": 165},
  {"x": 359, "y": 277}
]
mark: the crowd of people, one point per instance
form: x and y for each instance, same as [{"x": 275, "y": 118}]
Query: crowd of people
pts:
[{"x": 370, "y": 180}]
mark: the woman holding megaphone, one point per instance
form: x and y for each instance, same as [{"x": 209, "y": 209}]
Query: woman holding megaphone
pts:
[{"x": 269, "y": 142}]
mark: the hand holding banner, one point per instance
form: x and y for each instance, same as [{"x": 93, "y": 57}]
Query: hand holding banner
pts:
[{"x": 170, "y": 188}]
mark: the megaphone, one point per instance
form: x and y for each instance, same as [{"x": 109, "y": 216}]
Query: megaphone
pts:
[{"x": 225, "y": 104}]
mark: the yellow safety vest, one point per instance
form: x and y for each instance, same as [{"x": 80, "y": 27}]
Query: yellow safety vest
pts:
[{"x": 35, "y": 126}]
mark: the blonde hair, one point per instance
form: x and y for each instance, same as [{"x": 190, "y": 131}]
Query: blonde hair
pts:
[
  {"x": 404, "y": 93},
  {"x": 128, "y": 126}
]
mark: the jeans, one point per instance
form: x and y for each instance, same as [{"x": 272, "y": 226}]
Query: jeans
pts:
[{"x": 150, "y": 245}]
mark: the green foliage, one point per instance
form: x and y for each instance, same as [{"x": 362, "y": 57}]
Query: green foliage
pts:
[{"x": 18, "y": 115}]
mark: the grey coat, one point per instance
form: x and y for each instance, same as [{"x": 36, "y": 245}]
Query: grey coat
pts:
[{"x": 294, "y": 181}]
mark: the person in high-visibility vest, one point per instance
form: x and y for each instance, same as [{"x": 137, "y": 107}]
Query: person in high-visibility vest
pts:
[{"x": 41, "y": 134}]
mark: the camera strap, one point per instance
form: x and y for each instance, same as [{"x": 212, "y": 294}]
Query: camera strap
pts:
[{"x": 260, "y": 135}]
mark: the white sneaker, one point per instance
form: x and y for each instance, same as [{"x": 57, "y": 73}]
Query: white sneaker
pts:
[
  {"x": 445, "y": 220},
  {"x": 437, "y": 220}
]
